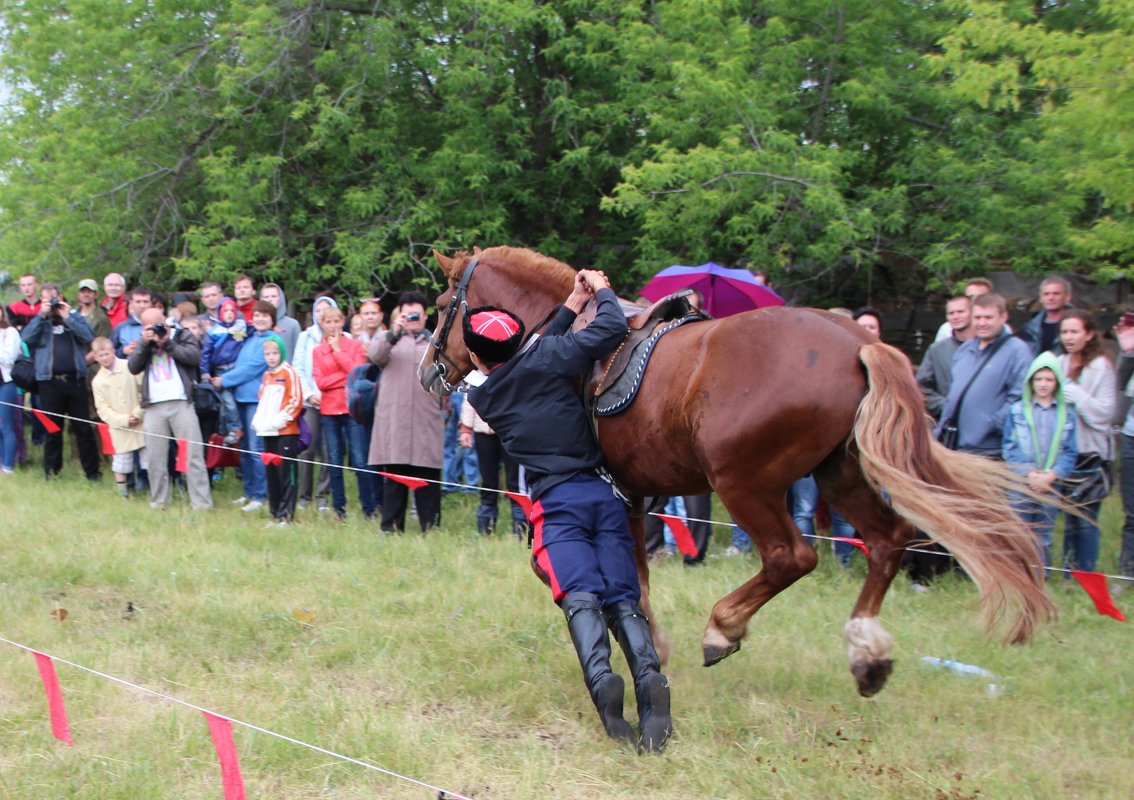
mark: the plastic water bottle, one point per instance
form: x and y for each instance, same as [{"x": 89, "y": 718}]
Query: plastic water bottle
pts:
[
  {"x": 994, "y": 689},
  {"x": 957, "y": 666}
]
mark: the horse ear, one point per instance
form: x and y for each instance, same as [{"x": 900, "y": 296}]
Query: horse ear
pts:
[
  {"x": 475, "y": 250},
  {"x": 444, "y": 262}
]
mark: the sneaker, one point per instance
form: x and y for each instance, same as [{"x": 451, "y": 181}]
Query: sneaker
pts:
[
  {"x": 324, "y": 507},
  {"x": 732, "y": 551},
  {"x": 253, "y": 505},
  {"x": 240, "y": 501},
  {"x": 919, "y": 587},
  {"x": 156, "y": 506}
]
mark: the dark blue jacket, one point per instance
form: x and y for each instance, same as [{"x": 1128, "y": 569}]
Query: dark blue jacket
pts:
[
  {"x": 532, "y": 404},
  {"x": 37, "y": 335}
]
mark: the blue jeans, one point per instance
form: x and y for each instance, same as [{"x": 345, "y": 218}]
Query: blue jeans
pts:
[
  {"x": 11, "y": 417},
  {"x": 230, "y": 419},
  {"x": 1126, "y": 485},
  {"x": 459, "y": 464},
  {"x": 1041, "y": 519},
  {"x": 252, "y": 469},
  {"x": 342, "y": 433},
  {"x": 1081, "y": 539},
  {"x": 741, "y": 540},
  {"x": 805, "y": 501}
]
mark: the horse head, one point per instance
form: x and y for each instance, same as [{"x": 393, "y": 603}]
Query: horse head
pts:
[{"x": 524, "y": 282}]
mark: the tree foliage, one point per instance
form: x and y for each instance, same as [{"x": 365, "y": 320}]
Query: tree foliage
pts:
[{"x": 330, "y": 145}]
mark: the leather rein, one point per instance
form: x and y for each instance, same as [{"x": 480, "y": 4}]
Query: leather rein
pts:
[{"x": 459, "y": 302}]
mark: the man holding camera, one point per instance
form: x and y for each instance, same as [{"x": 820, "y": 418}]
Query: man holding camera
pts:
[
  {"x": 168, "y": 358},
  {"x": 409, "y": 425},
  {"x": 58, "y": 342}
]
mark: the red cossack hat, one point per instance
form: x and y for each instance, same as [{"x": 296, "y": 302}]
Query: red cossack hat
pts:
[{"x": 492, "y": 333}]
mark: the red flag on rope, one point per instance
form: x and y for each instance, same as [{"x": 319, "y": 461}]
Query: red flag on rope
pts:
[
  {"x": 59, "y": 727},
  {"x": 681, "y": 535},
  {"x": 271, "y": 459},
  {"x": 1094, "y": 583},
  {"x": 47, "y": 422},
  {"x": 107, "y": 441},
  {"x": 524, "y": 501},
  {"x": 182, "y": 464},
  {"x": 405, "y": 480},
  {"x": 861, "y": 545},
  {"x": 220, "y": 728}
]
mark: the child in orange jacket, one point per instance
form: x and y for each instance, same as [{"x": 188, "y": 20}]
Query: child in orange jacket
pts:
[{"x": 276, "y": 420}]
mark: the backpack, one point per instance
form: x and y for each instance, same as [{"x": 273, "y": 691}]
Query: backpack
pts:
[{"x": 362, "y": 393}]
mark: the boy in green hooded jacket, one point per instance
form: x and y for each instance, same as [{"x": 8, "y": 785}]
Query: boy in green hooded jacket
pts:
[{"x": 1039, "y": 443}]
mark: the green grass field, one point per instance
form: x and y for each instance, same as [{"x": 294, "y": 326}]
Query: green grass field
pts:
[{"x": 442, "y": 658}]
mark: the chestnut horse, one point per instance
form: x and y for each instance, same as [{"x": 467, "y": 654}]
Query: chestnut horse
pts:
[{"x": 744, "y": 406}]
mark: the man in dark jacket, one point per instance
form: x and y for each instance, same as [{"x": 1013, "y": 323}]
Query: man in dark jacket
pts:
[
  {"x": 582, "y": 540},
  {"x": 167, "y": 359},
  {"x": 1042, "y": 331},
  {"x": 58, "y": 340}
]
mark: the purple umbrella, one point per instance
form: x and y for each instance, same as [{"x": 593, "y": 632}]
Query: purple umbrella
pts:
[{"x": 726, "y": 291}]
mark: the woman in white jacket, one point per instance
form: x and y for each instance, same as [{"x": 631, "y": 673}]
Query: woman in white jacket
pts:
[
  {"x": 1090, "y": 385},
  {"x": 11, "y": 415}
]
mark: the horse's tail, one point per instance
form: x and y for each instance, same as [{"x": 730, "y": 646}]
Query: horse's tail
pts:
[{"x": 959, "y": 500}]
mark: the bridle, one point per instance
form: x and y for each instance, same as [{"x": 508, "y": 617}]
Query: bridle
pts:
[{"x": 458, "y": 300}]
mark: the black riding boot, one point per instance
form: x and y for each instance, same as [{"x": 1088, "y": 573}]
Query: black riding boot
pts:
[
  {"x": 588, "y": 632},
  {"x": 632, "y": 630}
]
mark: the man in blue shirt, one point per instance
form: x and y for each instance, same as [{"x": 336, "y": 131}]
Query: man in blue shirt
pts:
[
  {"x": 988, "y": 377},
  {"x": 582, "y": 540}
]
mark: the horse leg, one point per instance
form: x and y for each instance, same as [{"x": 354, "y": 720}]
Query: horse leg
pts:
[
  {"x": 641, "y": 560},
  {"x": 869, "y": 646},
  {"x": 786, "y": 557}
]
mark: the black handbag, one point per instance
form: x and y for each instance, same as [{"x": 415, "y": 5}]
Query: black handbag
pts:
[
  {"x": 23, "y": 374},
  {"x": 1089, "y": 481}
]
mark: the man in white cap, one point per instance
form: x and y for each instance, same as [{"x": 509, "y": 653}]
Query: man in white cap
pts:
[{"x": 92, "y": 312}]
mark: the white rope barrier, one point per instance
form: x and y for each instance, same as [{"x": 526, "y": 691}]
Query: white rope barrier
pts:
[
  {"x": 345, "y": 467},
  {"x": 440, "y": 792}
]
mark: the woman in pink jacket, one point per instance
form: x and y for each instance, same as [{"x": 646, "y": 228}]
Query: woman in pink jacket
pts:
[{"x": 331, "y": 363}]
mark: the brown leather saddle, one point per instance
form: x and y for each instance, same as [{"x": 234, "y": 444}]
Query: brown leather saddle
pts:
[{"x": 614, "y": 380}]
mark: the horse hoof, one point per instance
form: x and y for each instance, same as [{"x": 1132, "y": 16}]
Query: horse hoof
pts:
[
  {"x": 871, "y": 676},
  {"x": 715, "y": 653}
]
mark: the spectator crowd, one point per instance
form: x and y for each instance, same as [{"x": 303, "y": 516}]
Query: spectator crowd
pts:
[
  {"x": 168, "y": 376},
  {"x": 300, "y": 403}
]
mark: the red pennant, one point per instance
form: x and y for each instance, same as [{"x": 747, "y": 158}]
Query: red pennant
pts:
[
  {"x": 524, "y": 501},
  {"x": 107, "y": 441},
  {"x": 405, "y": 480},
  {"x": 47, "y": 422},
  {"x": 271, "y": 459},
  {"x": 861, "y": 545},
  {"x": 221, "y": 730},
  {"x": 59, "y": 727},
  {"x": 681, "y": 535},
  {"x": 182, "y": 464},
  {"x": 1094, "y": 583}
]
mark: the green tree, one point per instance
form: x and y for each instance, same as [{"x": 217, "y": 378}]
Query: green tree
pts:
[{"x": 1067, "y": 66}]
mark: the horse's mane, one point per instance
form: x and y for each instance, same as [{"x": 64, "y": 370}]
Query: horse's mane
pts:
[{"x": 544, "y": 268}]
